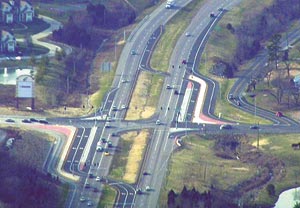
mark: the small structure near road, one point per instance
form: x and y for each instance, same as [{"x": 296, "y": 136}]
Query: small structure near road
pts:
[{"x": 9, "y": 143}]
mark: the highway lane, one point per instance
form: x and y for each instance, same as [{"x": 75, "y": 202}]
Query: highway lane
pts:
[{"x": 161, "y": 147}]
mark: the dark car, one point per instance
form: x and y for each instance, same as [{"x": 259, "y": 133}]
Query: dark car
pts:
[
  {"x": 33, "y": 120},
  {"x": 43, "y": 122},
  {"x": 26, "y": 121},
  {"x": 176, "y": 92},
  {"x": 225, "y": 126},
  {"x": 279, "y": 114},
  {"x": 254, "y": 127},
  {"x": 9, "y": 120}
]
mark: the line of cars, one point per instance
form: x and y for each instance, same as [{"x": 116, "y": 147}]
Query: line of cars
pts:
[{"x": 28, "y": 120}]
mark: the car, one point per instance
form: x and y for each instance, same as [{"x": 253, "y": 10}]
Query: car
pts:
[
  {"x": 279, "y": 114},
  {"x": 87, "y": 185},
  {"x": 176, "y": 92},
  {"x": 114, "y": 108},
  {"x": 124, "y": 80},
  {"x": 114, "y": 134},
  {"x": 220, "y": 9},
  {"x": 187, "y": 34},
  {"x": 82, "y": 199},
  {"x": 212, "y": 15},
  {"x": 254, "y": 127},
  {"x": 108, "y": 126},
  {"x": 100, "y": 149},
  {"x": 9, "y": 120},
  {"x": 98, "y": 178},
  {"x": 43, "y": 122},
  {"x": 95, "y": 190},
  {"x": 123, "y": 106},
  {"x": 157, "y": 122},
  {"x": 230, "y": 96},
  {"x": 238, "y": 103},
  {"x": 103, "y": 140},
  {"x": 90, "y": 203},
  {"x": 169, "y": 87},
  {"x": 146, "y": 173},
  {"x": 225, "y": 126},
  {"x": 33, "y": 120},
  {"x": 148, "y": 188},
  {"x": 184, "y": 61},
  {"x": 133, "y": 52},
  {"x": 91, "y": 175},
  {"x": 139, "y": 191},
  {"x": 26, "y": 121},
  {"x": 109, "y": 144},
  {"x": 106, "y": 153}
]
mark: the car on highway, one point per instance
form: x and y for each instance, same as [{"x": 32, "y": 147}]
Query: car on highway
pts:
[
  {"x": 148, "y": 188},
  {"x": 169, "y": 87},
  {"x": 33, "y": 120},
  {"x": 108, "y": 118},
  {"x": 106, "y": 153},
  {"x": 133, "y": 52},
  {"x": 43, "y": 122},
  {"x": 114, "y": 108},
  {"x": 82, "y": 199},
  {"x": 87, "y": 185},
  {"x": 109, "y": 143},
  {"x": 176, "y": 92},
  {"x": 123, "y": 107},
  {"x": 9, "y": 120},
  {"x": 187, "y": 34},
  {"x": 26, "y": 121},
  {"x": 91, "y": 175},
  {"x": 230, "y": 96},
  {"x": 139, "y": 191},
  {"x": 90, "y": 203},
  {"x": 254, "y": 127},
  {"x": 98, "y": 178},
  {"x": 225, "y": 126},
  {"x": 124, "y": 80},
  {"x": 100, "y": 149},
  {"x": 157, "y": 122}
]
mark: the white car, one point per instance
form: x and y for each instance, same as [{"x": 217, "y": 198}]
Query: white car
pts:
[
  {"x": 98, "y": 178},
  {"x": 82, "y": 199},
  {"x": 157, "y": 122},
  {"x": 148, "y": 188},
  {"x": 123, "y": 107}
]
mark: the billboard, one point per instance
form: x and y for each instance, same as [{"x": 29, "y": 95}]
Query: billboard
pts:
[{"x": 25, "y": 87}]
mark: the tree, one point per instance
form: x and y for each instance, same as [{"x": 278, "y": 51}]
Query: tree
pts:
[
  {"x": 297, "y": 205},
  {"x": 271, "y": 189},
  {"x": 171, "y": 198}
]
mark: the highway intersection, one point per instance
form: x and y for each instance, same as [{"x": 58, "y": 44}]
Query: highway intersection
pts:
[{"x": 186, "y": 105}]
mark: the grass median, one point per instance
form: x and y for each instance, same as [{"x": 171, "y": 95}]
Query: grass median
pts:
[
  {"x": 107, "y": 198},
  {"x": 172, "y": 31},
  {"x": 127, "y": 161},
  {"x": 145, "y": 96}
]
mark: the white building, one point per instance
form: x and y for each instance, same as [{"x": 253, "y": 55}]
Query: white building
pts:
[
  {"x": 7, "y": 42},
  {"x": 16, "y": 11}
]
